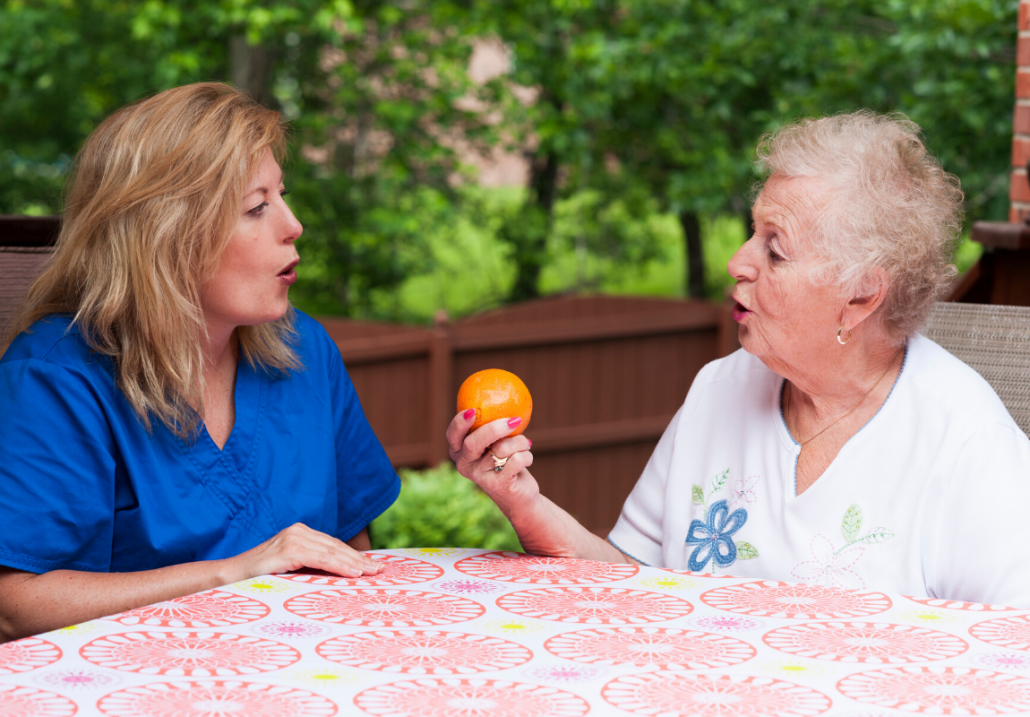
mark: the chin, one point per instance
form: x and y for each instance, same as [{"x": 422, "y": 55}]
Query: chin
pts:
[{"x": 744, "y": 338}]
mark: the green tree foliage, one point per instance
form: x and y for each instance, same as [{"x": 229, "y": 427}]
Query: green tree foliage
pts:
[
  {"x": 668, "y": 98},
  {"x": 439, "y": 508},
  {"x": 639, "y": 108},
  {"x": 375, "y": 90},
  {"x": 67, "y": 64}
]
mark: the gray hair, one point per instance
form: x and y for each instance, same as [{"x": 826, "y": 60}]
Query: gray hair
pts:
[{"x": 891, "y": 206}]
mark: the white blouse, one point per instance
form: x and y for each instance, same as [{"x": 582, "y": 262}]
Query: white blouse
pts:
[{"x": 931, "y": 498}]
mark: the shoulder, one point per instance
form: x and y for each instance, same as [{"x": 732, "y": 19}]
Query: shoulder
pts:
[
  {"x": 941, "y": 383},
  {"x": 57, "y": 342},
  {"x": 740, "y": 372},
  {"x": 313, "y": 342},
  {"x": 736, "y": 387}
]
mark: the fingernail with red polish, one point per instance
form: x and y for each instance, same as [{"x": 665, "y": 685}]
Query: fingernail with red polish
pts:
[
  {"x": 469, "y": 414},
  {"x": 513, "y": 422},
  {"x": 530, "y": 442}
]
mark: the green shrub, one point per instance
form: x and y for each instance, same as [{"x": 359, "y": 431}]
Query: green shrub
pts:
[{"x": 439, "y": 508}]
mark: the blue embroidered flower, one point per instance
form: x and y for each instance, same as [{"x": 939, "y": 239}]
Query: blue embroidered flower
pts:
[{"x": 713, "y": 539}]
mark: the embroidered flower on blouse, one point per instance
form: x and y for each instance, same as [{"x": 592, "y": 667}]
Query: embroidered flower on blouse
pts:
[
  {"x": 713, "y": 539},
  {"x": 721, "y": 519},
  {"x": 829, "y": 567},
  {"x": 743, "y": 491}
]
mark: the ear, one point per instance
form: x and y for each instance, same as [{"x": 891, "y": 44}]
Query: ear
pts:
[{"x": 866, "y": 299}]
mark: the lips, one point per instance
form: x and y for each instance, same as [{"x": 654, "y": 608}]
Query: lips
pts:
[
  {"x": 739, "y": 311},
  {"x": 288, "y": 276}
]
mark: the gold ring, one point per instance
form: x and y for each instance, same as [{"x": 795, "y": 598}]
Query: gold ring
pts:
[{"x": 498, "y": 462}]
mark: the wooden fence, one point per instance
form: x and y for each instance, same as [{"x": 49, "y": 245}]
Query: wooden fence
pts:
[{"x": 606, "y": 373}]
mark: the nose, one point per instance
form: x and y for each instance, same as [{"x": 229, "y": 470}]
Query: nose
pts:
[
  {"x": 292, "y": 228},
  {"x": 742, "y": 265}
]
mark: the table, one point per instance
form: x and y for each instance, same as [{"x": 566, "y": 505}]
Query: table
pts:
[{"x": 447, "y": 631}]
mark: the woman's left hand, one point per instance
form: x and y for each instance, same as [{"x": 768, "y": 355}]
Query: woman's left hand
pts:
[{"x": 299, "y": 547}]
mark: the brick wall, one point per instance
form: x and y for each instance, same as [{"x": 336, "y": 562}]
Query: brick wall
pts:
[{"x": 1019, "y": 191}]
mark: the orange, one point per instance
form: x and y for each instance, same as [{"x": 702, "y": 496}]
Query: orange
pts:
[{"x": 496, "y": 393}]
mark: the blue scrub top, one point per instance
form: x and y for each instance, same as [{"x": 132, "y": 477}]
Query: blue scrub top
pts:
[{"x": 84, "y": 486}]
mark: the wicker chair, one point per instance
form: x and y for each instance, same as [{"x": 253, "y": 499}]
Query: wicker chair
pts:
[
  {"x": 19, "y": 267},
  {"x": 995, "y": 341}
]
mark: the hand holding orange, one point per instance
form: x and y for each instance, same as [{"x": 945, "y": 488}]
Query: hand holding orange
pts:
[{"x": 495, "y": 393}]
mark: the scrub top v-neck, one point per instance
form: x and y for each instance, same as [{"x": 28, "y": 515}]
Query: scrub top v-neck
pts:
[{"x": 84, "y": 485}]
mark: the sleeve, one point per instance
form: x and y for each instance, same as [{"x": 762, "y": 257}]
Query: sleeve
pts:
[
  {"x": 983, "y": 534},
  {"x": 367, "y": 484},
  {"x": 639, "y": 530},
  {"x": 57, "y": 474}
]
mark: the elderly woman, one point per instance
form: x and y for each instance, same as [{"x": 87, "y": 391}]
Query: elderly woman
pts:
[
  {"x": 839, "y": 446},
  {"x": 169, "y": 422}
]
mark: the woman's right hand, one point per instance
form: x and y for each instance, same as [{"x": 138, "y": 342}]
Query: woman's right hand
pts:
[
  {"x": 543, "y": 528},
  {"x": 299, "y": 547},
  {"x": 513, "y": 487}
]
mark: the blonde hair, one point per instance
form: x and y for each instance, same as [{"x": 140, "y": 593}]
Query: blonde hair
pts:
[
  {"x": 891, "y": 206},
  {"x": 151, "y": 206}
]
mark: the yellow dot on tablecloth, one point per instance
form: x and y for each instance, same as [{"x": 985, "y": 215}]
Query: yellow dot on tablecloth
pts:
[
  {"x": 929, "y": 617},
  {"x": 81, "y": 629},
  {"x": 326, "y": 676},
  {"x": 263, "y": 585},
  {"x": 433, "y": 552},
  {"x": 669, "y": 583},
  {"x": 795, "y": 668},
  {"x": 512, "y": 627}
]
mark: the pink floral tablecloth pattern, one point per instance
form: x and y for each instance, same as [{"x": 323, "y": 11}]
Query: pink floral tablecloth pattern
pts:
[{"x": 449, "y": 632}]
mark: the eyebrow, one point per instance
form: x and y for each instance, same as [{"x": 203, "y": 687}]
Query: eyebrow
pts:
[{"x": 265, "y": 190}]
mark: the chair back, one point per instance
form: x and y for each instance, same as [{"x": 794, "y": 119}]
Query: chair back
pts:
[
  {"x": 993, "y": 340},
  {"x": 19, "y": 267},
  {"x": 26, "y": 244}
]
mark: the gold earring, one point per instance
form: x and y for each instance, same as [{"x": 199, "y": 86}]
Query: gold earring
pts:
[{"x": 841, "y": 341}]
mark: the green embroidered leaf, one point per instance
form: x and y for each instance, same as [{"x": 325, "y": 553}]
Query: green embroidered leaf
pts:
[
  {"x": 746, "y": 551},
  {"x": 852, "y": 523},
  {"x": 719, "y": 481},
  {"x": 697, "y": 494},
  {"x": 876, "y": 535}
]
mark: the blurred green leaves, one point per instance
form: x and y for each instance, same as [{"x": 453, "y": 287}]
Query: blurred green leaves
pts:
[
  {"x": 440, "y": 508},
  {"x": 631, "y": 111}
]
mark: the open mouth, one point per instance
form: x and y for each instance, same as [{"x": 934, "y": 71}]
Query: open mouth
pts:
[
  {"x": 289, "y": 275},
  {"x": 740, "y": 311}
]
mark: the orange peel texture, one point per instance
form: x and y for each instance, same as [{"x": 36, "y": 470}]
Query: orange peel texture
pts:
[{"x": 496, "y": 393}]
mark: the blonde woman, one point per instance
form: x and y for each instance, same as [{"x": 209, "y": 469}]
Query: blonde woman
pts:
[{"x": 170, "y": 424}]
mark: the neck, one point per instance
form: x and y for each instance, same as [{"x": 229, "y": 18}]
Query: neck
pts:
[
  {"x": 220, "y": 361},
  {"x": 837, "y": 383},
  {"x": 218, "y": 346}
]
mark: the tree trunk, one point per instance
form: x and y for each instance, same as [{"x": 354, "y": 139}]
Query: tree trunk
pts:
[
  {"x": 529, "y": 231},
  {"x": 749, "y": 221},
  {"x": 250, "y": 68},
  {"x": 695, "y": 257}
]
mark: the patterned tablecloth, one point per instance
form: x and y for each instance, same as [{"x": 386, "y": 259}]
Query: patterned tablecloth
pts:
[{"x": 476, "y": 633}]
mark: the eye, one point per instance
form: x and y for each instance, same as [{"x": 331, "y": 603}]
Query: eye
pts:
[
  {"x": 256, "y": 211},
  {"x": 284, "y": 192},
  {"x": 773, "y": 256}
]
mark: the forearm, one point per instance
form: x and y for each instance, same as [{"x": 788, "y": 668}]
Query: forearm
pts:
[
  {"x": 31, "y": 603},
  {"x": 544, "y": 528}
]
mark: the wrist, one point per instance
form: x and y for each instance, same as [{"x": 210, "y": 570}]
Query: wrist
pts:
[{"x": 230, "y": 570}]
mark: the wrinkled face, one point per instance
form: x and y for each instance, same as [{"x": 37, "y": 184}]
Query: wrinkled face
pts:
[
  {"x": 786, "y": 319},
  {"x": 253, "y": 279}
]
